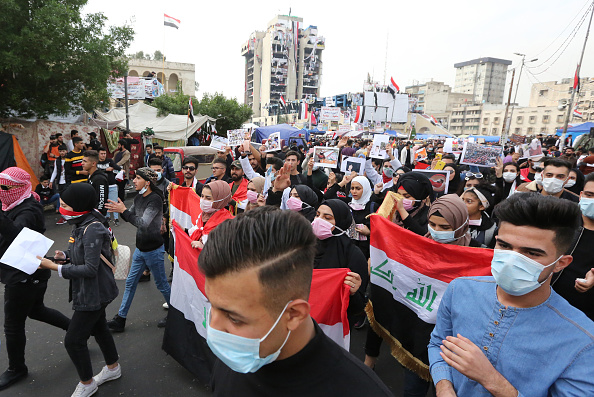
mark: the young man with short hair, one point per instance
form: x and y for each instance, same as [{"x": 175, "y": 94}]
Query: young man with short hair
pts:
[
  {"x": 94, "y": 143},
  {"x": 59, "y": 176},
  {"x": 148, "y": 154},
  {"x": 554, "y": 176},
  {"x": 292, "y": 158},
  {"x": 189, "y": 169},
  {"x": 51, "y": 150},
  {"x": 510, "y": 334},
  {"x": 167, "y": 164},
  {"x": 111, "y": 169},
  {"x": 238, "y": 183},
  {"x": 219, "y": 171},
  {"x": 97, "y": 179},
  {"x": 263, "y": 334},
  {"x": 73, "y": 162},
  {"x": 46, "y": 193}
]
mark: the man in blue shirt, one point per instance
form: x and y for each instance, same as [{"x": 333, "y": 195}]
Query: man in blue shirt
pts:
[{"x": 511, "y": 334}]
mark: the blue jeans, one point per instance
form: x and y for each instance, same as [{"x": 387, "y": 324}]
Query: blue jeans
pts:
[
  {"x": 55, "y": 200},
  {"x": 155, "y": 261},
  {"x": 113, "y": 195}
]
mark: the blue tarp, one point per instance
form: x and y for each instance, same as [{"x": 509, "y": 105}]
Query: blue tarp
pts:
[
  {"x": 577, "y": 130},
  {"x": 286, "y": 131},
  {"x": 432, "y": 136},
  {"x": 487, "y": 138}
]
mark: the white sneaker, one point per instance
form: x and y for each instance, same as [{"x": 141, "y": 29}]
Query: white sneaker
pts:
[
  {"x": 107, "y": 374},
  {"x": 85, "y": 390},
  {"x": 165, "y": 306}
]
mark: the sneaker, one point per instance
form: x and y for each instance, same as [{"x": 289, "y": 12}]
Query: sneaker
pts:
[
  {"x": 85, "y": 390},
  {"x": 107, "y": 374},
  {"x": 61, "y": 221},
  {"x": 117, "y": 324},
  {"x": 162, "y": 323},
  {"x": 145, "y": 277},
  {"x": 165, "y": 306},
  {"x": 116, "y": 222}
]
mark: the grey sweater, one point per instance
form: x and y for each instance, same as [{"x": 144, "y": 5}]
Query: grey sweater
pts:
[{"x": 146, "y": 214}]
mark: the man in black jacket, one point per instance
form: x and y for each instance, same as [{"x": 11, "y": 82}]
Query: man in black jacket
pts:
[
  {"x": 23, "y": 293},
  {"x": 97, "y": 179},
  {"x": 111, "y": 169}
]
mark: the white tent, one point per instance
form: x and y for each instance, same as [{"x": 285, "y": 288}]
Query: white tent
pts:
[{"x": 169, "y": 128}]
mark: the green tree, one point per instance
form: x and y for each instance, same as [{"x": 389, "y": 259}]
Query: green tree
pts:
[
  {"x": 139, "y": 55},
  {"x": 54, "y": 60},
  {"x": 158, "y": 56}
]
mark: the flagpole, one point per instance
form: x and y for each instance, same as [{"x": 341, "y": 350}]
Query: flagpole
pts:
[
  {"x": 163, "y": 56},
  {"x": 577, "y": 75}
]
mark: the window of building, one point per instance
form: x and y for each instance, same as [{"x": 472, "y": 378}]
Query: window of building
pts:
[
  {"x": 532, "y": 119},
  {"x": 543, "y": 130},
  {"x": 530, "y": 130},
  {"x": 485, "y": 121},
  {"x": 517, "y": 130},
  {"x": 543, "y": 92},
  {"x": 559, "y": 118},
  {"x": 496, "y": 120},
  {"x": 494, "y": 131},
  {"x": 545, "y": 118},
  {"x": 519, "y": 119},
  {"x": 484, "y": 130}
]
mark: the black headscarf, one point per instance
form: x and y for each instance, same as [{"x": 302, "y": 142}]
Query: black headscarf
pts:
[
  {"x": 80, "y": 196},
  {"x": 333, "y": 252},
  {"x": 579, "y": 182},
  {"x": 453, "y": 186},
  {"x": 310, "y": 198},
  {"x": 416, "y": 184}
]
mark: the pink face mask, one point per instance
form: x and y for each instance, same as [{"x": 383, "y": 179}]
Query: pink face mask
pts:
[
  {"x": 408, "y": 204},
  {"x": 252, "y": 196},
  {"x": 322, "y": 228},
  {"x": 294, "y": 204}
]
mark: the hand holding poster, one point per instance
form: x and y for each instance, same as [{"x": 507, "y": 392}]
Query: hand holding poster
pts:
[
  {"x": 379, "y": 146},
  {"x": 273, "y": 143},
  {"x": 421, "y": 154},
  {"x": 440, "y": 179},
  {"x": 532, "y": 150},
  {"x": 236, "y": 137},
  {"x": 350, "y": 164},
  {"x": 219, "y": 143},
  {"x": 481, "y": 155},
  {"x": 326, "y": 156}
]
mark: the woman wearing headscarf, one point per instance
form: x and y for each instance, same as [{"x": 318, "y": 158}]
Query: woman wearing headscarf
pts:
[
  {"x": 336, "y": 250},
  {"x": 507, "y": 179},
  {"x": 255, "y": 196},
  {"x": 575, "y": 181},
  {"x": 303, "y": 200},
  {"x": 215, "y": 197},
  {"x": 454, "y": 178},
  {"x": 479, "y": 202},
  {"x": 411, "y": 211},
  {"x": 92, "y": 286},
  {"x": 448, "y": 222}
]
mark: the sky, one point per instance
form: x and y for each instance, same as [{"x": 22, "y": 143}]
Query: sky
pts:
[{"x": 423, "y": 38}]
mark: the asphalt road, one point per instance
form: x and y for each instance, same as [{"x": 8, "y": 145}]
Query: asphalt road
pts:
[{"x": 146, "y": 369}]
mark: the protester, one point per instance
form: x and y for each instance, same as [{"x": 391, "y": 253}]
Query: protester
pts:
[
  {"x": 292, "y": 159},
  {"x": 454, "y": 178},
  {"x": 303, "y": 200},
  {"x": 238, "y": 185},
  {"x": 216, "y": 196},
  {"x": 167, "y": 164},
  {"x": 507, "y": 179},
  {"x": 73, "y": 162},
  {"x": 148, "y": 154},
  {"x": 219, "y": 171},
  {"x": 255, "y": 193},
  {"x": 97, "y": 179},
  {"x": 189, "y": 169},
  {"x": 146, "y": 214},
  {"x": 92, "y": 286},
  {"x": 570, "y": 156},
  {"x": 587, "y": 165},
  {"x": 467, "y": 183},
  {"x": 111, "y": 169},
  {"x": 336, "y": 250},
  {"x": 479, "y": 201},
  {"x": 46, "y": 193},
  {"x": 23, "y": 293},
  {"x": 575, "y": 181},
  {"x": 94, "y": 143},
  {"x": 554, "y": 176},
  {"x": 530, "y": 169},
  {"x": 412, "y": 208},
  {"x": 70, "y": 143},
  {"x": 122, "y": 159},
  {"x": 574, "y": 283},
  {"x": 52, "y": 153},
  {"x": 288, "y": 353},
  {"x": 531, "y": 321}
]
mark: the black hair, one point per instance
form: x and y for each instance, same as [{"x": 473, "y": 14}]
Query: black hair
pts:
[
  {"x": 591, "y": 150},
  {"x": 512, "y": 163},
  {"x": 155, "y": 147},
  {"x": 448, "y": 156},
  {"x": 62, "y": 147},
  {"x": 292, "y": 153},
  {"x": 192, "y": 160},
  {"x": 377, "y": 161},
  {"x": 276, "y": 162},
  {"x": 148, "y": 145},
  {"x": 123, "y": 142},
  {"x": 73, "y": 132},
  {"x": 280, "y": 245},
  {"x": 101, "y": 149},
  {"x": 557, "y": 162},
  {"x": 589, "y": 178},
  {"x": 220, "y": 161},
  {"x": 92, "y": 155},
  {"x": 542, "y": 212},
  {"x": 44, "y": 178},
  {"x": 155, "y": 161},
  {"x": 76, "y": 139}
]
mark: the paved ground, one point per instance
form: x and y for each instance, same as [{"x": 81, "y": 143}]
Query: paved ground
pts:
[{"x": 147, "y": 370}]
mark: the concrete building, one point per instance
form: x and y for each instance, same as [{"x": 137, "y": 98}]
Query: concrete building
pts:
[
  {"x": 175, "y": 72},
  {"x": 525, "y": 120},
  {"x": 554, "y": 93},
  {"x": 465, "y": 119},
  {"x": 484, "y": 78},
  {"x": 436, "y": 98},
  {"x": 286, "y": 60}
]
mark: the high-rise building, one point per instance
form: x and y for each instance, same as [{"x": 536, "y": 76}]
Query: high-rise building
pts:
[
  {"x": 484, "y": 78},
  {"x": 285, "y": 60}
]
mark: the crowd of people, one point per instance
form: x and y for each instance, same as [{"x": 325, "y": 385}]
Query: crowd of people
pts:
[{"x": 268, "y": 218}]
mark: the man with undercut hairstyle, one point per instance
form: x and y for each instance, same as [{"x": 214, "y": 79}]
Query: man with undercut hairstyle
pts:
[
  {"x": 511, "y": 334},
  {"x": 263, "y": 334}
]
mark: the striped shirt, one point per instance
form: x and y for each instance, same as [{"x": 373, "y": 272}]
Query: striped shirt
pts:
[{"x": 73, "y": 166}]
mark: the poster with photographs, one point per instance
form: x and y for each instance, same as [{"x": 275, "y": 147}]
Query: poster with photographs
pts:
[
  {"x": 531, "y": 150},
  {"x": 326, "y": 156},
  {"x": 440, "y": 180},
  {"x": 236, "y": 137},
  {"x": 518, "y": 139},
  {"x": 273, "y": 143},
  {"x": 480, "y": 155},
  {"x": 421, "y": 154},
  {"x": 350, "y": 164},
  {"x": 219, "y": 143},
  {"x": 379, "y": 146}
]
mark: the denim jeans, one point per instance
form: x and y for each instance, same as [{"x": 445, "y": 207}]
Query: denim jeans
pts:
[
  {"x": 113, "y": 196},
  {"x": 55, "y": 200},
  {"x": 155, "y": 261}
]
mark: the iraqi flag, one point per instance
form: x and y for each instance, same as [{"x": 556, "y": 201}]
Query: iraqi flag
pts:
[
  {"x": 303, "y": 110},
  {"x": 282, "y": 100},
  {"x": 191, "y": 110},
  {"x": 185, "y": 332},
  {"x": 577, "y": 113},
  {"x": 393, "y": 87},
  {"x": 171, "y": 22},
  {"x": 576, "y": 80},
  {"x": 360, "y": 115}
]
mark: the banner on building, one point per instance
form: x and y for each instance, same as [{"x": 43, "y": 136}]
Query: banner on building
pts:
[
  {"x": 330, "y": 113},
  {"x": 137, "y": 88}
]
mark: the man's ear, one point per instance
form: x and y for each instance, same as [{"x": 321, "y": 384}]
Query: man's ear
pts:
[
  {"x": 298, "y": 311},
  {"x": 563, "y": 263}
]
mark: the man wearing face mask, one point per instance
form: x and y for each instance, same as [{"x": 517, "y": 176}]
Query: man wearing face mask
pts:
[
  {"x": 554, "y": 176},
  {"x": 146, "y": 214},
  {"x": 531, "y": 169},
  {"x": 263, "y": 334},
  {"x": 111, "y": 169},
  {"x": 575, "y": 282},
  {"x": 492, "y": 333}
]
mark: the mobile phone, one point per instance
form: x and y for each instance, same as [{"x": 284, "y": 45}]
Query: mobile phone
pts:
[{"x": 438, "y": 156}]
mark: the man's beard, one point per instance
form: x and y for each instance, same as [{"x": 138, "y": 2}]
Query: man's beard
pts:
[
  {"x": 188, "y": 176},
  {"x": 236, "y": 177}
]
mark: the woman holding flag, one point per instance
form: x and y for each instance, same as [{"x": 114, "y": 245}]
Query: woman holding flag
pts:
[{"x": 215, "y": 197}]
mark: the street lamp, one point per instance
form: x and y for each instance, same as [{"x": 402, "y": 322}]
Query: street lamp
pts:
[{"x": 516, "y": 94}]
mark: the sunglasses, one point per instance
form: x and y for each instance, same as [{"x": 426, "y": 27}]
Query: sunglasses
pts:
[
  {"x": 185, "y": 167},
  {"x": 469, "y": 175},
  {"x": 6, "y": 187}
]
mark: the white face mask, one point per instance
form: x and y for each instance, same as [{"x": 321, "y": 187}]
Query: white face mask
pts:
[
  {"x": 552, "y": 185},
  {"x": 509, "y": 177},
  {"x": 538, "y": 178},
  {"x": 570, "y": 183}
]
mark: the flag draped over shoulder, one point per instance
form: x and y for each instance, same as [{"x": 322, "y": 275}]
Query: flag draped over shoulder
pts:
[
  {"x": 185, "y": 332},
  {"x": 415, "y": 272}
]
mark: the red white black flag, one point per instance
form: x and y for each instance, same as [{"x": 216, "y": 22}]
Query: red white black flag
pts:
[{"x": 171, "y": 22}]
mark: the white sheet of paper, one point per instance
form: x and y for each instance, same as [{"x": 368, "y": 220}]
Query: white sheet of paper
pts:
[
  {"x": 448, "y": 146},
  {"x": 22, "y": 253}
]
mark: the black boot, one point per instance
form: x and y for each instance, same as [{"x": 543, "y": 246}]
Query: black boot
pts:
[
  {"x": 162, "y": 323},
  {"x": 11, "y": 376},
  {"x": 117, "y": 324}
]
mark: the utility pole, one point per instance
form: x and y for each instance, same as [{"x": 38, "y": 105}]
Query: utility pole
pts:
[
  {"x": 506, "y": 126},
  {"x": 577, "y": 73},
  {"x": 511, "y": 116}
]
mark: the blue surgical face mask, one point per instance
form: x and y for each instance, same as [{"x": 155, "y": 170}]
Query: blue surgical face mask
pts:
[
  {"x": 159, "y": 175},
  {"x": 587, "y": 207},
  {"x": 141, "y": 191},
  {"x": 515, "y": 273},
  {"x": 239, "y": 353},
  {"x": 445, "y": 236}
]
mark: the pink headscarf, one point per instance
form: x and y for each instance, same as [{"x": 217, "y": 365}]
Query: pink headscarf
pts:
[{"x": 15, "y": 176}]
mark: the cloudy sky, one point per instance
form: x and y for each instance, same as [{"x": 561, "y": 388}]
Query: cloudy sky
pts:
[{"x": 425, "y": 38}]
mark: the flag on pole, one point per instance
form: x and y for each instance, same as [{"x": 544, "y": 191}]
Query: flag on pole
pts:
[
  {"x": 303, "y": 108},
  {"x": 191, "y": 110},
  {"x": 393, "y": 87},
  {"x": 360, "y": 115},
  {"x": 576, "y": 80},
  {"x": 283, "y": 101},
  {"x": 171, "y": 22},
  {"x": 576, "y": 112}
]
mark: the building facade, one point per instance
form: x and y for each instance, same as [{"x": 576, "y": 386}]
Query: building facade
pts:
[
  {"x": 554, "y": 93},
  {"x": 285, "y": 60},
  {"x": 484, "y": 78},
  {"x": 436, "y": 98},
  {"x": 174, "y": 73}
]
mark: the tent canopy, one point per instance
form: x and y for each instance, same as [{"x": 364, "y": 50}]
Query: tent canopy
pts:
[
  {"x": 432, "y": 136},
  {"x": 286, "y": 131},
  {"x": 169, "y": 128},
  {"x": 487, "y": 138},
  {"x": 396, "y": 134},
  {"x": 577, "y": 130}
]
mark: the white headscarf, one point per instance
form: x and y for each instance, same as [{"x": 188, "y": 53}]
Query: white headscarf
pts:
[{"x": 360, "y": 204}]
